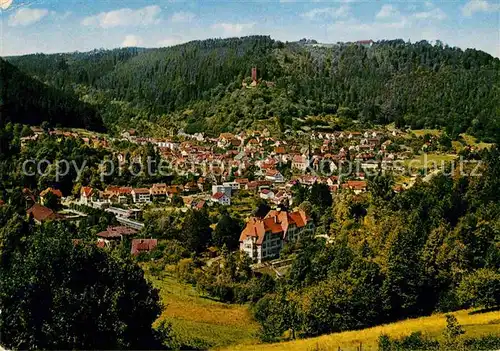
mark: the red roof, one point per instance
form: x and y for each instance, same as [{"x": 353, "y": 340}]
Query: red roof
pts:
[
  {"x": 41, "y": 213},
  {"x": 143, "y": 245},
  {"x": 356, "y": 184},
  {"x": 56, "y": 192},
  {"x": 141, "y": 191},
  {"x": 276, "y": 222},
  {"x": 86, "y": 191},
  {"x": 117, "y": 232},
  {"x": 218, "y": 195}
]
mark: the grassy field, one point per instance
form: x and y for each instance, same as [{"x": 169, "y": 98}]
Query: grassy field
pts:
[
  {"x": 422, "y": 132},
  {"x": 195, "y": 318},
  {"x": 474, "y": 325},
  {"x": 471, "y": 141}
]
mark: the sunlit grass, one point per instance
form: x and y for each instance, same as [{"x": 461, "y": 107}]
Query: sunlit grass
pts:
[
  {"x": 471, "y": 141},
  {"x": 194, "y": 317},
  {"x": 422, "y": 132},
  {"x": 474, "y": 325}
]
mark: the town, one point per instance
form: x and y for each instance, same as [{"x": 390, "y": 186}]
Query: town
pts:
[{"x": 233, "y": 169}]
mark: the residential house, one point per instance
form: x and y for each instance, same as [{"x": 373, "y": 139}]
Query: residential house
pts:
[
  {"x": 358, "y": 186},
  {"x": 235, "y": 186},
  {"x": 141, "y": 195},
  {"x": 159, "y": 191},
  {"x": 266, "y": 194},
  {"x": 300, "y": 162},
  {"x": 56, "y": 192},
  {"x": 143, "y": 246},
  {"x": 243, "y": 182},
  {"x": 221, "y": 198},
  {"x": 117, "y": 194},
  {"x": 263, "y": 238},
  {"x": 86, "y": 193},
  {"x": 41, "y": 214},
  {"x": 226, "y": 189},
  {"x": 113, "y": 234},
  {"x": 274, "y": 176}
]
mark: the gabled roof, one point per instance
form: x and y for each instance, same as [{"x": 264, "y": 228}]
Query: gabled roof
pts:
[
  {"x": 86, "y": 191},
  {"x": 275, "y": 222},
  {"x": 56, "y": 192},
  {"x": 42, "y": 213},
  {"x": 143, "y": 245},
  {"x": 218, "y": 195},
  {"x": 116, "y": 232},
  {"x": 141, "y": 190}
]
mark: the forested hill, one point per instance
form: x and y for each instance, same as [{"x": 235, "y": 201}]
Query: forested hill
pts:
[
  {"x": 28, "y": 101},
  {"x": 198, "y": 85}
]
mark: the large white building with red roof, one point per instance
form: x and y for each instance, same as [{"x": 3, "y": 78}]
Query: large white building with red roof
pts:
[{"x": 263, "y": 238}]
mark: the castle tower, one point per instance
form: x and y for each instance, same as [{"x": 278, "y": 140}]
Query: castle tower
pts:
[{"x": 254, "y": 73}]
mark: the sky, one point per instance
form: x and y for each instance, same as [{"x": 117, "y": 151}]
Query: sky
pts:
[{"x": 50, "y": 26}]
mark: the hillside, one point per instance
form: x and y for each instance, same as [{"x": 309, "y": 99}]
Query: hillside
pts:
[
  {"x": 475, "y": 325},
  {"x": 197, "y": 86},
  {"x": 25, "y": 100}
]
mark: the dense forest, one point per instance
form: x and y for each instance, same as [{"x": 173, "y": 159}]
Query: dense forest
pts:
[
  {"x": 28, "y": 101},
  {"x": 198, "y": 85}
]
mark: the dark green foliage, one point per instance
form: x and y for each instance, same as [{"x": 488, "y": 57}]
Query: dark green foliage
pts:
[
  {"x": 55, "y": 294},
  {"x": 433, "y": 247},
  {"x": 480, "y": 288},
  {"x": 196, "y": 231},
  {"x": 198, "y": 85},
  {"x": 26, "y": 100},
  {"x": 227, "y": 232}
]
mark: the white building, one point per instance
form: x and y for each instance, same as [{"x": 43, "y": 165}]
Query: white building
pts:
[
  {"x": 226, "y": 189},
  {"x": 141, "y": 195},
  {"x": 263, "y": 239},
  {"x": 221, "y": 198},
  {"x": 235, "y": 186}
]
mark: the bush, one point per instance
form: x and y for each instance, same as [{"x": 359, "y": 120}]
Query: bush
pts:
[{"x": 480, "y": 289}]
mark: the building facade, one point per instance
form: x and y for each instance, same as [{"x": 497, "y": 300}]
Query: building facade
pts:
[{"x": 264, "y": 238}]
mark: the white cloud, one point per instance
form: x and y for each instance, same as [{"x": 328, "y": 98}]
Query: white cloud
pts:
[
  {"x": 387, "y": 11},
  {"x": 124, "y": 17},
  {"x": 435, "y": 14},
  {"x": 26, "y": 16},
  {"x": 171, "y": 41},
  {"x": 329, "y": 12},
  {"x": 131, "y": 41},
  {"x": 474, "y": 6},
  {"x": 233, "y": 29},
  {"x": 182, "y": 17}
]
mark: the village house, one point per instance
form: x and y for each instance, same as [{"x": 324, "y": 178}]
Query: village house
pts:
[
  {"x": 357, "y": 186},
  {"x": 114, "y": 234},
  {"x": 86, "y": 193},
  {"x": 225, "y": 189},
  {"x": 235, "y": 186},
  {"x": 41, "y": 214},
  {"x": 141, "y": 195},
  {"x": 274, "y": 176},
  {"x": 159, "y": 191},
  {"x": 300, "y": 162},
  {"x": 263, "y": 238},
  {"x": 116, "y": 194},
  {"x": 56, "y": 192},
  {"x": 221, "y": 198},
  {"x": 266, "y": 194},
  {"x": 143, "y": 246}
]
